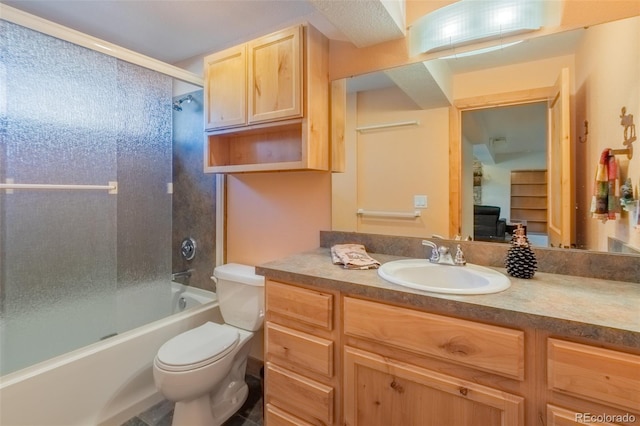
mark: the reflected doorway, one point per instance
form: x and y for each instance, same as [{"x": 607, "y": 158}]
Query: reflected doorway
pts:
[{"x": 501, "y": 146}]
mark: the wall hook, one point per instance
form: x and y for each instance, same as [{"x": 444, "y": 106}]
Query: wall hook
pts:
[{"x": 586, "y": 132}]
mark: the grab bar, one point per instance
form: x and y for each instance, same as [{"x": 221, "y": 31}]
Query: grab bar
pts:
[
  {"x": 387, "y": 125},
  {"x": 9, "y": 186},
  {"x": 398, "y": 215}
]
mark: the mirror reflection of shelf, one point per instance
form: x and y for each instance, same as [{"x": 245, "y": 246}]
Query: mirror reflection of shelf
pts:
[{"x": 529, "y": 199}]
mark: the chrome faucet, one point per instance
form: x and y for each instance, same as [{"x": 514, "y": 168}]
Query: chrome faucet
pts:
[
  {"x": 442, "y": 255},
  {"x": 182, "y": 274}
]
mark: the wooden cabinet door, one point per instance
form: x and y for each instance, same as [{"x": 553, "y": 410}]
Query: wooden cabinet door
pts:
[
  {"x": 226, "y": 88},
  {"x": 379, "y": 391},
  {"x": 275, "y": 76}
]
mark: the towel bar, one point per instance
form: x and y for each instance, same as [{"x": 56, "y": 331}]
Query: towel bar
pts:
[
  {"x": 112, "y": 187},
  {"x": 387, "y": 125},
  {"x": 397, "y": 215}
]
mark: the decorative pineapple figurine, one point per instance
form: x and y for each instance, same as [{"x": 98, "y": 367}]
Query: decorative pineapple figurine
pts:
[{"x": 521, "y": 260}]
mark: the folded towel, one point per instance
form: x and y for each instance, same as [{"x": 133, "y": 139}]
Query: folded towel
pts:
[
  {"x": 606, "y": 189},
  {"x": 352, "y": 256}
]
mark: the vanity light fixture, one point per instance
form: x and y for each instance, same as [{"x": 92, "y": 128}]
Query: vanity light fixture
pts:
[
  {"x": 479, "y": 51},
  {"x": 473, "y": 21}
]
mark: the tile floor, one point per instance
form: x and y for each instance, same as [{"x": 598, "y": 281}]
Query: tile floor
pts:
[{"x": 250, "y": 414}]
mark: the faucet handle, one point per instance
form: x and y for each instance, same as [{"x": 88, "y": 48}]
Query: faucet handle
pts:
[
  {"x": 459, "y": 260},
  {"x": 435, "y": 256}
]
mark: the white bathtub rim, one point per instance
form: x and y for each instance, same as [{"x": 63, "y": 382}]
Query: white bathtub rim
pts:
[{"x": 66, "y": 358}]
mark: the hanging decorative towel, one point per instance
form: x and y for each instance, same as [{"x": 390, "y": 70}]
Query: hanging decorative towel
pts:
[
  {"x": 606, "y": 189},
  {"x": 352, "y": 256}
]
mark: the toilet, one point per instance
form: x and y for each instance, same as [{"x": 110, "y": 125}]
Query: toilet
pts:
[{"x": 202, "y": 370}]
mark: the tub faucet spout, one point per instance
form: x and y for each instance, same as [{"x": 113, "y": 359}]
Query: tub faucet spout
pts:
[{"x": 182, "y": 274}]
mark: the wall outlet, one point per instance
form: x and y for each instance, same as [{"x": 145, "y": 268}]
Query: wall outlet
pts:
[{"x": 420, "y": 201}]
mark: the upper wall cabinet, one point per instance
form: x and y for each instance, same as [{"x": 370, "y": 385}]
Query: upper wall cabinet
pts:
[
  {"x": 267, "y": 104},
  {"x": 226, "y": 88},
  {"x": 275, "y": 76}
]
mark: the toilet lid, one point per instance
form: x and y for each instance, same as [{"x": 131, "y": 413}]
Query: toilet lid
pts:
[{"x": 198, "y": 347}]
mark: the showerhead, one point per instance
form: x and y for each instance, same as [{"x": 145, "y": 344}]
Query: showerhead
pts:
[{"x": 177, "y": 104}]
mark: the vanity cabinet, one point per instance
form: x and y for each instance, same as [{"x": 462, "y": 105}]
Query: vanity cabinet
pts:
[
  {"x": 587, "y": 380},
  {"x": 267, "y": 104},
  {"x": 390, "y": 377},
  {"x": 339, "y": 351},
  {"x": 301, "y": 356}
]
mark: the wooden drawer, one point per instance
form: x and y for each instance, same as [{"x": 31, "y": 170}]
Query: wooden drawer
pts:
[
  {"x": 485, "y": 347},
  {"x": 298, "y": 394},
  {"x": 303, "y": 350},
  {"x": 595, "y": 374},
  {"x": 308, "y": 306},
  {"x": 557, "y": 416},
  {"x": 276, "y": 417}
]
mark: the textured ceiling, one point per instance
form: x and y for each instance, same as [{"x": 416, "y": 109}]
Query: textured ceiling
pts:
[{"x": 175, "y": 30}]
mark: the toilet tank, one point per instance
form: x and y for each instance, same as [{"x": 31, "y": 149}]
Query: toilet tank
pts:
[{"x": 240, "y": 295}]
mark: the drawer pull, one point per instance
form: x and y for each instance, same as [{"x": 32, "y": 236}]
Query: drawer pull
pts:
[{"x": 463, "y": 391}]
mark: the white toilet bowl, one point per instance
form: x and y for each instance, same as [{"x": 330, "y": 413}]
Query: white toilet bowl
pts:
[
  {"x": 195, "y": 367},
  {"x": 202, "y": 370}
]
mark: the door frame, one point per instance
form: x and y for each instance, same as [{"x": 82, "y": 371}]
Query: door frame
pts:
[{"x": 541, "y": 94}]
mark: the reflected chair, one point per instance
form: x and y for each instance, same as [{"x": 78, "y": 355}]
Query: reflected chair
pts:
[{"x": 487, "y": 224}]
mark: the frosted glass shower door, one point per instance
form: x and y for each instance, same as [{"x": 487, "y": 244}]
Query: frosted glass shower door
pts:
[
  {"x": 58, "y": 265},
  {"x": 77, "y": 266}
]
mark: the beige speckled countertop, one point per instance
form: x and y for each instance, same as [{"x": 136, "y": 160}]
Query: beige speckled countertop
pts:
[{"x": 604, "y": 310}]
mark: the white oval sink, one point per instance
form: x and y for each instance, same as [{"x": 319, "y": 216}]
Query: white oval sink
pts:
[{"x": 424, "y": 275}]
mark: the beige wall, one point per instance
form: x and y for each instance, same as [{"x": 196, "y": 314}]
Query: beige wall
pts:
[
  {"x": 386, "y": 168},
  {"x": 272, "y": 215},
  {"x": 607, "y": 78}
]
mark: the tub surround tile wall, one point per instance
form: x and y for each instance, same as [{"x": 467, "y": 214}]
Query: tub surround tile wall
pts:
[
  {"x": 194, "y": 194},
  {"x": 610, "y": 266}
]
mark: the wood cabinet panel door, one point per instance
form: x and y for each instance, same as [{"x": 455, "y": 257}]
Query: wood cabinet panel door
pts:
[
  {"x": 380, "y": 391},
  {"x": 226, "y": 88},
  {"x": 275, "y": 76}
]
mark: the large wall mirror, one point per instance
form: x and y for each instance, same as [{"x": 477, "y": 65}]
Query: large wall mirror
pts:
[{"x": 435, "y": 148}]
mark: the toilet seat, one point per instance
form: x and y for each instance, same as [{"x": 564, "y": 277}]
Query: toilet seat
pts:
[{"x": 197, "y": 347}]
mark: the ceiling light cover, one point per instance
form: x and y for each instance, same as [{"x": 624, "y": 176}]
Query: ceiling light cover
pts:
[{"x": 471, "y": 21}]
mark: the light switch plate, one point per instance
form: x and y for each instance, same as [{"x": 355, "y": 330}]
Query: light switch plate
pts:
[{"x": 420, "y": 201}]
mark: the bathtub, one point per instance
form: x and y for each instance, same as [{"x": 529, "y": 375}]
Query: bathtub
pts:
[{"x": 104, "y": 383}]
